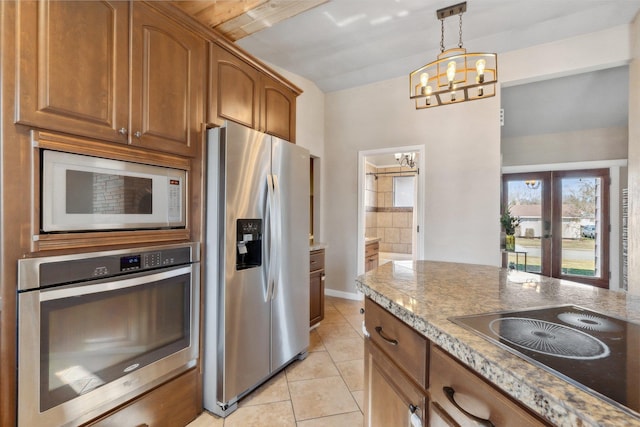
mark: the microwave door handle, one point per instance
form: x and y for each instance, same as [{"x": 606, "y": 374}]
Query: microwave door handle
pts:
[
  {"x": 112, "y": 284},
  {"x": 271, "y": 242}
]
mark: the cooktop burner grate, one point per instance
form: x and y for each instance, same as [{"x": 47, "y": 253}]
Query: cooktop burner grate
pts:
[
  {"x": 549, "y": 338},
  {"x": 589, "y": 322}
]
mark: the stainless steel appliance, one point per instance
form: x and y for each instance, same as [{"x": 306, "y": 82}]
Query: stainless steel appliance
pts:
[
  {"x": 97, "y": 329},
  {"x": 596, "y": 352},
  {"x": 257, "y": 262},
  {"x": 91, "y": 193}
]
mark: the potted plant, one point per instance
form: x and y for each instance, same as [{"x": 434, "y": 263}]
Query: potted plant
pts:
[{"x": 509, "y": 223}]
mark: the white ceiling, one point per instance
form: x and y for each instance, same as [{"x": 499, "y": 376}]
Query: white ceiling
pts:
[{"x": 347, "y": 43}]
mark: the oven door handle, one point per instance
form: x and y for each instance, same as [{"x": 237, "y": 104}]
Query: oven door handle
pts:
[{"x": 114, "y": 284}]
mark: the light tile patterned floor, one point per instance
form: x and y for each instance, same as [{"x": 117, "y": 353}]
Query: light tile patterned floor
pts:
[{"x": 324, "y": 390}]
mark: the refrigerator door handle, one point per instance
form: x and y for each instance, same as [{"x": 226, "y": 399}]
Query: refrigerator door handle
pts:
[
  {"x": 271, "y": 241},
  {"x": 272, "y": 237},
  {"x": 277, "y": 219}
]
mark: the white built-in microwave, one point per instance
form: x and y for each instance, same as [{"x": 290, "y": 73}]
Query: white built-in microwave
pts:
[{"x": 85, "y": 193}]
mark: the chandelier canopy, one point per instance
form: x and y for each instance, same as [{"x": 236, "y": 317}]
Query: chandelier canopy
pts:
[{"x": 455, "y": 76}]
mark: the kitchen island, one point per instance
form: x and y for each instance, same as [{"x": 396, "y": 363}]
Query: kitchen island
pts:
[{"x": 425, "y": 295}]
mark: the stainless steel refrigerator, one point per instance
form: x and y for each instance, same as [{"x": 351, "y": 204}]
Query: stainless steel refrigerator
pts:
[{"x": 257, "y": 262}]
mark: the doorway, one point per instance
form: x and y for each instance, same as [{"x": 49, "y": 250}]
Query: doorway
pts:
[
  {"x": 564, "y": 223},
  {"x": 390, "y": 205}
]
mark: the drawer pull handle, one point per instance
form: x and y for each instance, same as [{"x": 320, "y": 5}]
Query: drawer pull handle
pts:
[
  {"x": 387, "y": 339},
  {"x": 450, "y": 392}
]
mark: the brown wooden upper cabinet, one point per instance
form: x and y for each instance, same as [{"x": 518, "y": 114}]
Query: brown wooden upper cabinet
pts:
[
  {"x": 243, "y": 94},
  {"x": 75, "y": 67}
]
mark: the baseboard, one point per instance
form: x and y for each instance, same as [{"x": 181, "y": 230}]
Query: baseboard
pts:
[{"x": 356, "y": 296}]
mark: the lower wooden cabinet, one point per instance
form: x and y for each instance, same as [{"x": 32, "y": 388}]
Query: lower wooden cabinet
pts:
[
  {"x": 172, "y": 404},
  {"x": 316, "y": 287},
  {"x": 460, "y": 397},
  {"x": 391, "y": 398},
  {"x": 406, "y": 375}
]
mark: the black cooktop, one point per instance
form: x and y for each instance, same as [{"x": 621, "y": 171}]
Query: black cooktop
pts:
[{"x": 596, "y": 352}]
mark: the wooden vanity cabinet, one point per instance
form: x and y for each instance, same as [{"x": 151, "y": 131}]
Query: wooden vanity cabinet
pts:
[
  {"x": 243, "y": 94},
  {"x": 316, "y": 286},
  {"x": 371, "y": 253},
  {"x": 75, "y": 73}
]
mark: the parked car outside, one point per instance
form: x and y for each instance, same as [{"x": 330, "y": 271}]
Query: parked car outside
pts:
[{"x": 589, "y": 231}]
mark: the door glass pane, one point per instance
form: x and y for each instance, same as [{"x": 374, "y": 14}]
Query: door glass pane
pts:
[
  {"x": 525, "y": 201},
  {"x": 581, "y": 226}
]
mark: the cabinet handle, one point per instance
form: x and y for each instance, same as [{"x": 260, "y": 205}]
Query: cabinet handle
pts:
[
  {"x": 123, "y": 131},
  {"x": 382, "y": 335},
  {"x": 450, "y": 392},
  {"x": 138, "y": 134}
]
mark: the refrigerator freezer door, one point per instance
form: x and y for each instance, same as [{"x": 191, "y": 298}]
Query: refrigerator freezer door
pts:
[
  {"x": 244, "y": 310},
  {"x": 290, "y": 304}
]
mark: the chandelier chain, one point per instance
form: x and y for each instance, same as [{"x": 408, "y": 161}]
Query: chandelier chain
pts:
[
  {"x": 442, "y": 35},
  {"x": 460, "y": 41}
]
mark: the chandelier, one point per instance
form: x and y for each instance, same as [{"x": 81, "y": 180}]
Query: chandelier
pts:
[
  {"x": 406, "y": 159},
  {"x": 532, "y": 184},
  {"x": 456, "y": 75}
]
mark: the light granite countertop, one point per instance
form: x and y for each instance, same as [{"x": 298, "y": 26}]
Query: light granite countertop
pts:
[
  {"x": 316, "y": 246},
  {"x": 424, "y": 294}
]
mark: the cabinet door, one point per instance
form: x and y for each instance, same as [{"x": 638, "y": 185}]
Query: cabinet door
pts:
[
  {"x": 390, "y": 397},
  {"x": 316, "y": 297},
  {"x": 234, "y": 89},
  {"x": 278, "y": 109},
  {"x": 168, "y": 75},
  {"x": 74, "y": 67}
]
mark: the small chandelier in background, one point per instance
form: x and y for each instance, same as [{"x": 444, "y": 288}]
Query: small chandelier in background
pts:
[
  {"x": 406, "y": 159},
  {"x": 456, "y": 75},
  {"x": 532, "y": 184}
]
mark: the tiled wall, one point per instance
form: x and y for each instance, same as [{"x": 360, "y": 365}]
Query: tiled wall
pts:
[{"x": 392, "y": 225}]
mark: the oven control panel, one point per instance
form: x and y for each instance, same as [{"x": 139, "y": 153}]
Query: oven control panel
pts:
[{"x": 66, "y": 269}]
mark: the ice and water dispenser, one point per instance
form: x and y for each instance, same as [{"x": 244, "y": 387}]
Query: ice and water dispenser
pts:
[{"x": 248, "y": 243}]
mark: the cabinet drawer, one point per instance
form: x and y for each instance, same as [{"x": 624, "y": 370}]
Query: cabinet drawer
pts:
[
  {"x": 472, "y": 394},
  {"x": 403, "y": 345},
  {"x": 371, "y": 249},
  {"x": 316, "y": 260}
]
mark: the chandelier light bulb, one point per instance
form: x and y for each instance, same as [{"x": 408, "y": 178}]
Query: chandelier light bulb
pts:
[
  {"x": 451, "y": 73},
  {"x": 480, "y": 64},
  {"x": 424, "y": 79}
]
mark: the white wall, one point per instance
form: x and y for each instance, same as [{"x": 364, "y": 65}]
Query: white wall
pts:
[
  {"x": 577, "y": 146},
  {"x": 634, "y": 160},
  {"x": 462, "y": 154}
]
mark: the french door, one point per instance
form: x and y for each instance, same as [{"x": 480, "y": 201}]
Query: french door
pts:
[{"x": 564, "y": 223}]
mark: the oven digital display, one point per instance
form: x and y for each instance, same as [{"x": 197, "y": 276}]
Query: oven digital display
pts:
[{"x": 131, "y": 262}]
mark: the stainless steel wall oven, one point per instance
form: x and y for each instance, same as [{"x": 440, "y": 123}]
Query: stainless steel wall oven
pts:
[{"x": 97, "y": 329}]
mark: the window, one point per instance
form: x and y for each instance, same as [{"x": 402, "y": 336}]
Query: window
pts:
[{"x": 403, "y": 191}]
